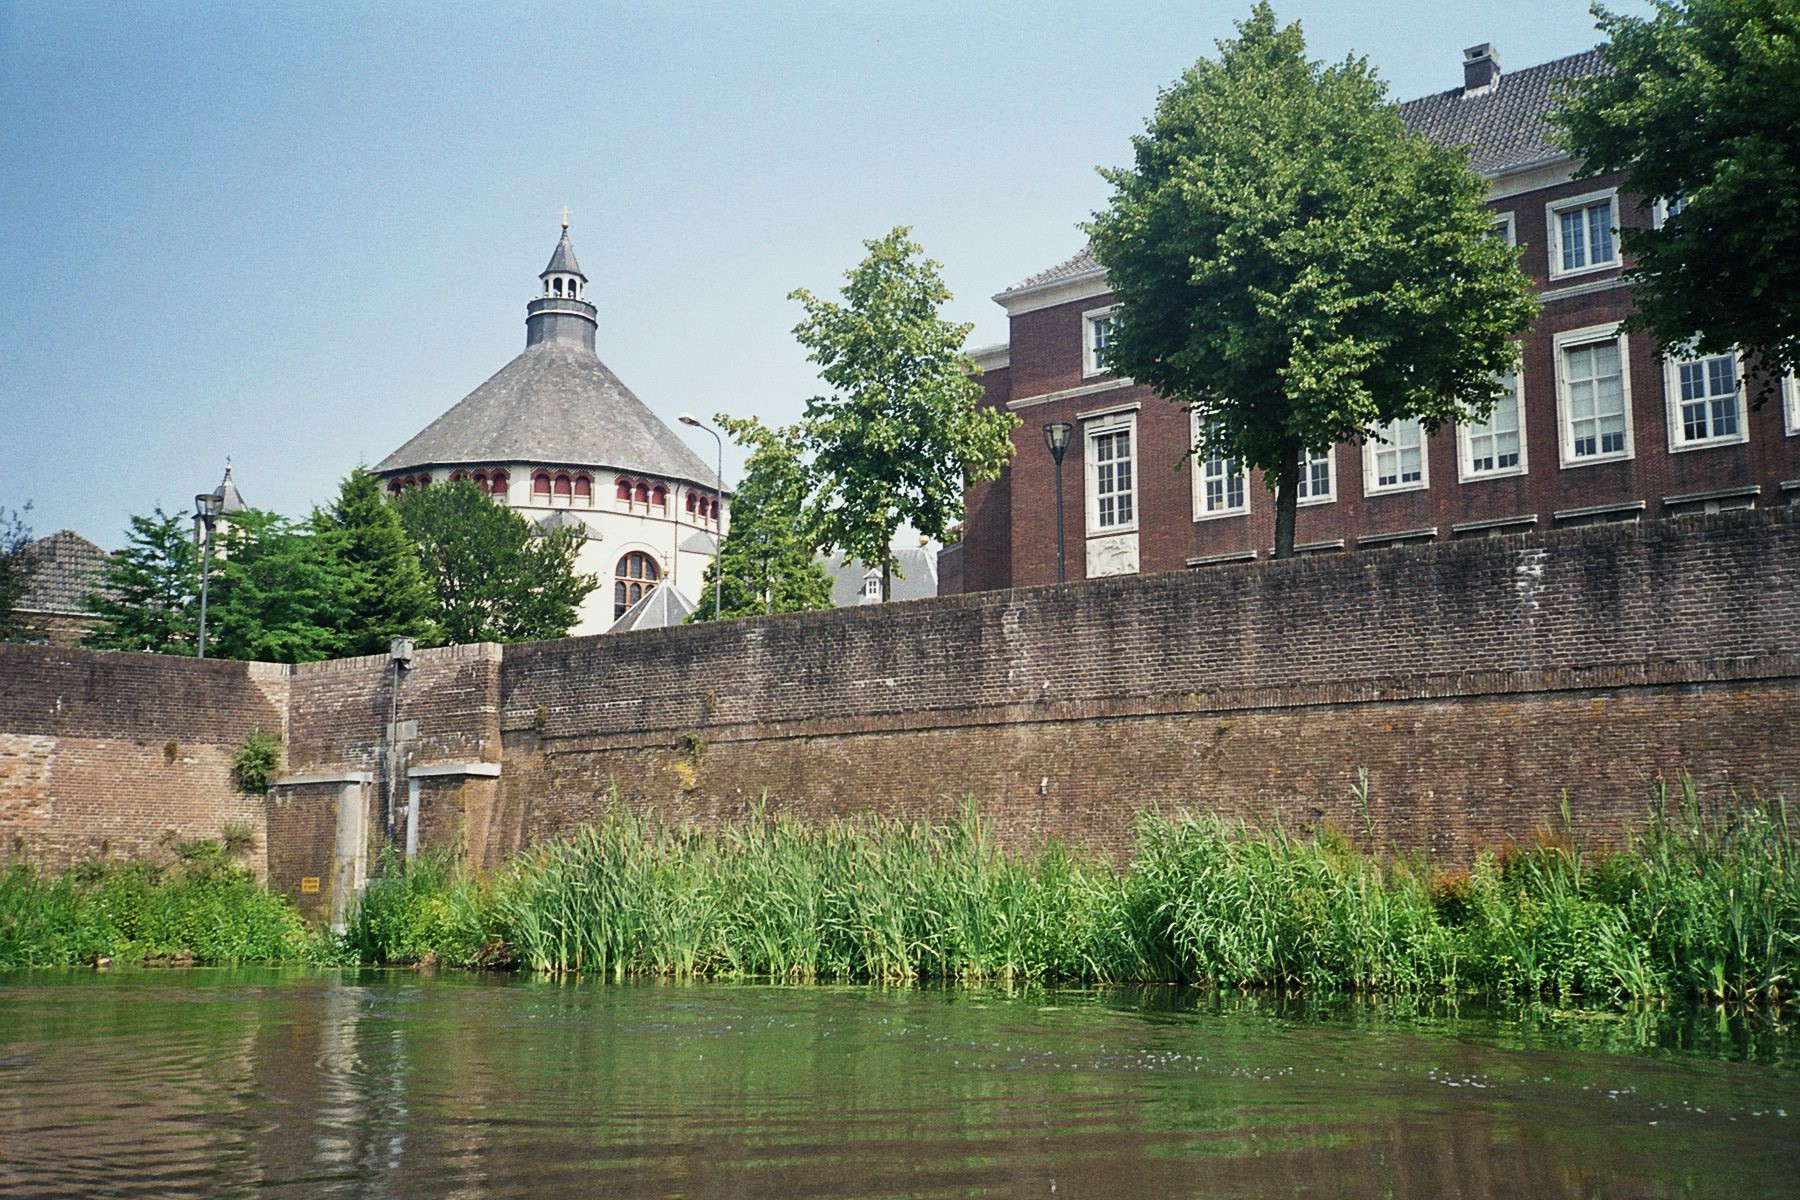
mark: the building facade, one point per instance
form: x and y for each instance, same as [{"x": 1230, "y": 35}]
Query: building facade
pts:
[
  {"x": 1596, "y": 425},
  {"x": 557, "y": 437}
]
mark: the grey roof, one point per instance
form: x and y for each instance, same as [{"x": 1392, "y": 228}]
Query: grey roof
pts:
[
  {"x": 563, "y": 259},
  {"x": 232, "y": 500},
  {"x": 67, "y": 569},
  {"x": 556, "y": 403},
  {"x": 562, "y": 518},
  {"x": 662, "y": 606},
  {"x": 1506, "y": 126},
  {"x": 1083, "y": 263},
  {"x": 915, "y": 575},
  {"x": 1509, "y": 124}
]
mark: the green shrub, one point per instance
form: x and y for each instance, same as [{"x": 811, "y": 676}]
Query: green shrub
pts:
[{"x": 257, "y": 762}]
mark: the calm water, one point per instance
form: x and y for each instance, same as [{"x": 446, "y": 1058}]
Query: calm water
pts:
[{"x": 214, "y": 1083}]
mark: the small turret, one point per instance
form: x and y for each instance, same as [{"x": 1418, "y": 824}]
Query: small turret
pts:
[{"x": 562, "y": 313}]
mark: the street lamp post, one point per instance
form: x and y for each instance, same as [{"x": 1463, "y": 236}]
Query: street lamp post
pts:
[
  {"x": 718, "y": 526},
  {"x": 1056, "y": 437},
  {"x": 207, "y": 506}
]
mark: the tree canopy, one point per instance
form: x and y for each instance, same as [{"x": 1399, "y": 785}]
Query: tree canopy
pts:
[
  {"x": 1297, "y": 267},
  {"x": 496, "y": 577},
  {"x": 149, "y": 597},
  {"x": 1703, "y": 106},
  {"x": 768, "y": 561},
  {"x": 16, "y": 570},
  {"x": 903, "y": 430},
  {"x": 277, "y": 592},
  {"x": 384, "y": 590}
]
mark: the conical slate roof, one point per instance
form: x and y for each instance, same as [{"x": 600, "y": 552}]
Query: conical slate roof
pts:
[
  {"x": 563, "y": 259},
  {"x": 662, "y": 606},
  {"x": 555, "y": 404}
]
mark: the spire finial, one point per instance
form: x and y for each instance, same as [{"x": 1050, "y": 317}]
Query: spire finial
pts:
[{"x": 565, "y": 215}]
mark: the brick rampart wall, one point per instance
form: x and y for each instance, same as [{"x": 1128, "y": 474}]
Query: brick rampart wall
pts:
[{"x": 1475, "y": 682}]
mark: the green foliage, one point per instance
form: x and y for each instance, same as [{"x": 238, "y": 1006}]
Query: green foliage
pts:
[
  {"x": 1702, "y": 103},
  {"x": 278, "y": 592},
  {"x": 903, "y": 431},
  {"x": 497, "y": 579},
  {"x": 384, "y": 592},
  {"x": 16, "y": 569},
  {"x": 768, "y": 561},
  {"x": 206, "y": 908},
  {"x": 150, "y": 590},
  {"x": 423, "y": 911},
  {"x": 1295, "y": 265},
  {"x": 257, "y": 762}
]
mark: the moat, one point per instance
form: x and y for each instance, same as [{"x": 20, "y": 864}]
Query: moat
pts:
[{"x": 371, "y": 1083}]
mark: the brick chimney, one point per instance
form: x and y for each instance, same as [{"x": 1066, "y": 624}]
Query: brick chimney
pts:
[{"x": 1481, "y": 68}]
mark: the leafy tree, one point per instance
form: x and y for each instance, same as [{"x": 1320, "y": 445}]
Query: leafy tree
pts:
[
  {"x": 767, "y": 561},
  {"x": 1295, "y": 265},
  {"x": 278, "y": 593},
  {"x": 1704, "y": 104},
  {"x": 385, "y": 592},
  {"x": 497, "y": 578},
  {"x": 16, "y": 570},
  {"x": 150, "y": 590},
  {"x": 903, "y": 431}
]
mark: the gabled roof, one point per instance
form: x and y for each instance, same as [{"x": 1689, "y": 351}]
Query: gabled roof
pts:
[
  {"x": 556, "y": 404},
  {"x": 67, "y": 569},
  {"x": 915, "y": 575},
  {"x": 662, "y": 606},
  {"x": 1508, "y": 125}
]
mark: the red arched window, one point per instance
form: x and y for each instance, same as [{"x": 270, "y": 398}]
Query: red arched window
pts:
[
  {"x": 584, "y": 489},
  {"x": 497, "y": 483},
  {"x": 458, "y": 476},
  {"x": 563, "y": 486},
  {"x": 659, "y": 496},
  {"x": 540, "y": 484},
  {"x": 690, "y": 502},
  {"x": 624, "y": 492},
  {"x": 635, "y": 575},
  {"x": 480, "y": 478},
  {"x": 715, "y": 509},
  {"x": 394, "y": 486},
  {"x": 642, "y": 493}
]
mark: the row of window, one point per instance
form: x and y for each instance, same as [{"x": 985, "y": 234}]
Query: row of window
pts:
[
  {"x": 574, "y": 488},
  {"x": 1705, "y": 403}
]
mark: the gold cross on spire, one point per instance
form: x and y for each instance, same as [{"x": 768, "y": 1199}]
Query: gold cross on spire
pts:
[{"x": 565, "y": 216}]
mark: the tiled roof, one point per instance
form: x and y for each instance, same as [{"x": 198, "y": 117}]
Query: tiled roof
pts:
[
  {"x": 68, "y": 570},
  {"x": 555, "y": 403},
  {"x": 563, "y": 259},
  {"x": 1509, "y": 124},
  {"x": 1506, "y": 126},
  {"x": 662, "y": 606},
  {"x": 915, "y": 575}
]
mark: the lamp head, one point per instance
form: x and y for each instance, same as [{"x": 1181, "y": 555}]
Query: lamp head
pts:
[{"x": 1056, "y": 437}]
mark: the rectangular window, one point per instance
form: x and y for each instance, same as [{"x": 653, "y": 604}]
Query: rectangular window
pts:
[
  {"x": 1670, "y": 206},
  {"x": 1223, "y": 484},
  {"x": 1705, "y": 402},
  {"x": 1316, "y": 482},
  {"x": 1096, "y": 340},
  {"x": 1582, "y": 233},
  {"x": 1790, "y": 394},
  {"x": 1504, "y": 229},
  {"x": 1593, "y": 393},
  {"x": 1112, "y": 483},
  {"x": 1395, "y": 457},
  {"x": 1497, "y": 445}
]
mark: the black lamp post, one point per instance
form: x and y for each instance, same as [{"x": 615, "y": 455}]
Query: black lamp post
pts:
[
  {"x": 207, "y": 506},
  {"x": 1056, "y": 436},
  {"x": 718, "y": 537}
]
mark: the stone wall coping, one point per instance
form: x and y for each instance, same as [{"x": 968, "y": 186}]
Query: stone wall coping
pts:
[
  {"x": 312, "y": 777},
  {"x": 485, "y": 770}
]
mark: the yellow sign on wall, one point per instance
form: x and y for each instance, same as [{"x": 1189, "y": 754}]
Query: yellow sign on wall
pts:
[{"x": 309, "y": 885}]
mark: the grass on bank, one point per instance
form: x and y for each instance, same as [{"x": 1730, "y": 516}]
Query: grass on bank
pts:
[{"x": 1705, "y": 902}]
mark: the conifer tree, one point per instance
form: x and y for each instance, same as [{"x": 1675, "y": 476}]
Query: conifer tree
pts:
[
  {"x": 768, "y": 562},
  {"x": 385, "y": 592},
  {"x": 278, "y": 593},
  {"x": 149, "y": 597}
]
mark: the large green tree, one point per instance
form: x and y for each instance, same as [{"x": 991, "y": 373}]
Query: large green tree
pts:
[
  {"x": 497, "y": 578},
  {"x": 16, "y": 570},
  {"x": 149, "y": 597},
  {"x": 1703, "y": 106},
  {"x": 768, "y": 561},
  {"x": 903, "y": 431},
  {"x": 384, "y": 589},
  {"x": 278, "y": 593},
  {"x": 1297, "y": 267}
]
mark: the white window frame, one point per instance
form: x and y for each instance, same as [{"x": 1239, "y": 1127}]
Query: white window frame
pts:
[
  {"x": 1565, "y": 441},
  {"x": 1465, "y": 454},
  {"x": 1790, "y": 404},
  {"x": 1553, "y": 232},
  {"x": 1329, "y": 495},
  {"x": 1371, "y": 475},
  {"x": 1090, "y": 364},
  {"x": 1663, "y": 208},
  {"x": 1096, "y": 427},
  {"x": 1506, "y": 225},
  {"x": 1678, "y": 439},
  {"x": 1201, "y": 463}
]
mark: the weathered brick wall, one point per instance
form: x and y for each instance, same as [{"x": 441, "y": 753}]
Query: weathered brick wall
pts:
[
  {"x": 126, "y": 754},
  {"x": 1476, "y": 682}
]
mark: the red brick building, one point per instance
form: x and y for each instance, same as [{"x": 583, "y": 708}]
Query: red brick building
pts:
[{"x": 1598, "y": 425}]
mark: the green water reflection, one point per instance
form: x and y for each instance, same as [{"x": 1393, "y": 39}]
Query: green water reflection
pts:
[{"x": 217, "y": 1083}]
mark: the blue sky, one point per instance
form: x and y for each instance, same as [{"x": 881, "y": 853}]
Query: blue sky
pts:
[{"x": 296, "y": 233}]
